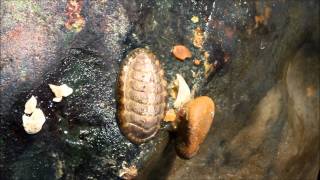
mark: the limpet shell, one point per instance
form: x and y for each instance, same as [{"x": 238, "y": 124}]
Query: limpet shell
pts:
[{"x": 194, "y": 127}]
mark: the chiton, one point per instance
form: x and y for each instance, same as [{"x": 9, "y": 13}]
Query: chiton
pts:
[{"x": 141, "y": 96}]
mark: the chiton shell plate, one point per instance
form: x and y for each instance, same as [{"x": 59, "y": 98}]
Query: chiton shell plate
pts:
[{"x": 141, "y": 96}]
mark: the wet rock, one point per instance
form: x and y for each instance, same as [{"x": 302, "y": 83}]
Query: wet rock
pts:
[
  {"x": 261, "y": 120},
  {"x": 297, "y": 154},
  {"x": 31, "y": 38},
  {"x": 81, "y": 137},
  {"x": 106, "y": 28},
  {"x": 252, "y": 68}
]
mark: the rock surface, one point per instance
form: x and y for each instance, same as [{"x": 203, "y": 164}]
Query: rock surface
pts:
[
  {"x": 259, "y": 62},
  {"x": 267, "y": 121}
]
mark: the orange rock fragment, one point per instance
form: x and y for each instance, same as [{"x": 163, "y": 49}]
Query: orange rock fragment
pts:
[
  {"x": 181, "y": 52},
  {"x": 194, "y": 126},
  {"x": 198, "y": 37},
  {"x": 196, "y": 62}
]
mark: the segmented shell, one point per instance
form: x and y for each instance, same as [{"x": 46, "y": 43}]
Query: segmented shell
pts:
[{"x": 142, "y": 96}]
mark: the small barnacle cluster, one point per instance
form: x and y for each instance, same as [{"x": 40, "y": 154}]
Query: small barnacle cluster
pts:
[
  {"x": 60, "y": 91},
  {"x": 34, "y": 118}
]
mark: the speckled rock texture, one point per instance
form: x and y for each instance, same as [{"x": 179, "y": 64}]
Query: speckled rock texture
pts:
[{"x": 259, "y": 62}]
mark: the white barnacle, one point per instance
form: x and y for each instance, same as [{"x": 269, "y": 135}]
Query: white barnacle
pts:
[
  {"x": 60, "y": 91},
  {"x": 30, "y": 105},
  {"x": 33, "y": 124},
  {"x": 57, "y": 99},
  {"x": 184, "y": 94}
]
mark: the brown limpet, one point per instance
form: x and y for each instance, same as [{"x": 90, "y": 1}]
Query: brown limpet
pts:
[
  {"x": 194, "y": 126},
  {"x": 141, "y": 95}
]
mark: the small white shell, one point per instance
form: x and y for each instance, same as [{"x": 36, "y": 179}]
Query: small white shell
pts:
[
  {"x": 60, "y": 91},
  {"x": 33, "y": 124},
  {"x": 184, "y": 94},
  {"x": 57, "y": 99},
  {"x": 30, "y": 105}
]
